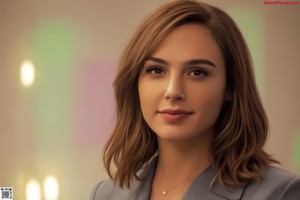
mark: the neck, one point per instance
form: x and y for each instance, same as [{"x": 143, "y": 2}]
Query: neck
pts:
[{"x": 181, "y": 161}]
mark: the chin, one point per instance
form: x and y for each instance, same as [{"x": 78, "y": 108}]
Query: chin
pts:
[{"x": 176, "y": 135}]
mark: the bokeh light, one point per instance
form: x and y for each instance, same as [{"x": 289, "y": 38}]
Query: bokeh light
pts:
[
  {"x": 27, "y": 73},
  {"x": 252, "y": 26},
  {"x": 33, "y": 190},
  {"x": 54, "y": 52},
  {"x": 51, "y": 188}
]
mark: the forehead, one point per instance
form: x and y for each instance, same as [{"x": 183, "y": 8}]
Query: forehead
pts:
[{"x": 189, "y": 41}]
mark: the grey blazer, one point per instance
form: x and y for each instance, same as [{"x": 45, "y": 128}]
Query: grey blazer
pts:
[{"x": 277, "y": 184}]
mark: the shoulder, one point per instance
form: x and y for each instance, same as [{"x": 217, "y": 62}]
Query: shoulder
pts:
[
  {"x": 276, "y": 184},
  {"x": 139, "y": 189},
  {"x": 272, "y": 172},
  {"x": 106, "y": 190}
]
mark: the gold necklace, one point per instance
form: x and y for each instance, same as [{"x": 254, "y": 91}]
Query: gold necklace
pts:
[{"x": 165, "y": 192}]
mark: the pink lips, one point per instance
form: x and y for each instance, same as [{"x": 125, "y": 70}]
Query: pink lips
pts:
[{"x": 175, "y": 115}]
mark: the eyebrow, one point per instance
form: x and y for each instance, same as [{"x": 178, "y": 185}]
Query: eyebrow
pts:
[{"x": 190, "y": 62}]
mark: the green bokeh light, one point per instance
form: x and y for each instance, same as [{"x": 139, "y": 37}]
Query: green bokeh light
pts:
[
  {"x": 53, "y": 48},
  {"x": 250, "y": 20}
]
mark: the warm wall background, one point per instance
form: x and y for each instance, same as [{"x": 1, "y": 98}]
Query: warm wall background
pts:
[{"x": 58, "y": 125}]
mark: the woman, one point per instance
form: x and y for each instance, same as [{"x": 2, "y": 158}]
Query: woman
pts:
[{"x": 190, "y": 123}]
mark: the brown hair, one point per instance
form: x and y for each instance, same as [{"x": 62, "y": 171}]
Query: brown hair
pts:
[{"x": 242, "y": 126}]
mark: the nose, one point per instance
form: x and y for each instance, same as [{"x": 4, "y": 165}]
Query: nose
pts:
[{"x": 174, "y": 89}]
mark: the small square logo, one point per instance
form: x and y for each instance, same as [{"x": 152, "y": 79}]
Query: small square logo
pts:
[{"x": 6, "y": 193}]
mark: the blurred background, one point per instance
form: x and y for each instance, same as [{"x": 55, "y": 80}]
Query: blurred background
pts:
[{"x": 57, "y": 63}]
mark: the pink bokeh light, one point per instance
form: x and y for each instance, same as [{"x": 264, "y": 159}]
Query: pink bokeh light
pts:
[{"x": 94, "y": 109}]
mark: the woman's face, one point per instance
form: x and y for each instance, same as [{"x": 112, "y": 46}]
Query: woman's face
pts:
[{"x": 182, "y": 84}]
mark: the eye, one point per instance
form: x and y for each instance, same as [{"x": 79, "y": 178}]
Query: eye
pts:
[
  {"x": 154, "y": 70},
  {"x": 198, "y": 73}
]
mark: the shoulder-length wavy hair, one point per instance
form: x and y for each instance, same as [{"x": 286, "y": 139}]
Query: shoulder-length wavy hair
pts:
[{"x": 242, "y": 126}]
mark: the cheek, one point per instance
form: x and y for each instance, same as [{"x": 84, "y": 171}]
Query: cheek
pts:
[
  {"x": 209, "y": 98},
  {"x": 147, "y": 95},
  {"x": 144, "y": 92}
]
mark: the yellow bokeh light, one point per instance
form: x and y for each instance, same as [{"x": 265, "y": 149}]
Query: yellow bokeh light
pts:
[
  {"x": 33, "y": 190},
  {"x": 27, "y": 73},
  {"x": 51, "y": 188}
]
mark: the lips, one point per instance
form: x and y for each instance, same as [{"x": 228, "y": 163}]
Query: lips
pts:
[{"x": 174, "y": 115}]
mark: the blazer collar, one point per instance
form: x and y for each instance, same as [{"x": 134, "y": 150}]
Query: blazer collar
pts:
[
  {"x": 198, "y": 188},
  {"x": 141, "y": 189}
]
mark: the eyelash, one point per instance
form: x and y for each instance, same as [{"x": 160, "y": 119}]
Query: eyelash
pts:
[
  {"x": 151, "y": 70},
  {"x": 160, "y": 71},
  {"x": 199, "y": 70}
]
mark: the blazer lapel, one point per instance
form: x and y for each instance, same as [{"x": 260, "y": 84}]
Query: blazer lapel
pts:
[
  {"x": 141, "y": 189},
  {"x": 199, "y": 189},
  {"x": 229, "y": 192}
]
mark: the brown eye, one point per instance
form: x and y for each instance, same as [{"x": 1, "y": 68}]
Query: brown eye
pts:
[
  {"x": 154, "y": 70},
  {"x": 198, "y": 73}
]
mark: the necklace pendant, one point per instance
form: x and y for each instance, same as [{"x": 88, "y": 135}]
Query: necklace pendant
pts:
[{"x": 164, "y": 193}]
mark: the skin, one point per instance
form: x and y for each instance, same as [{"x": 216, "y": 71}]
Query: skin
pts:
[{"x": 182, "y": 87}]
